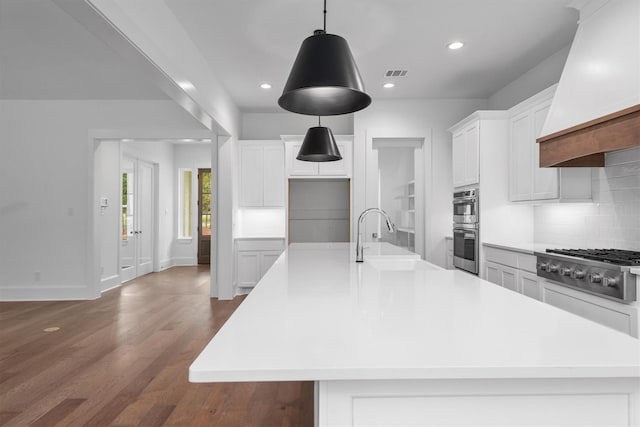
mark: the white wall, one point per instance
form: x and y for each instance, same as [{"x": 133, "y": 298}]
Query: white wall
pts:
[
  {"x": 107, "y": 184},
  {"x": 540, "y": 77},
  {"x": 612, "y": 221},
  {"x": 46, "y": 180},
  {"x": 437, "y": 115},
  {"x": 272, "y": 125},
  {"x": 193, "y": 157}
]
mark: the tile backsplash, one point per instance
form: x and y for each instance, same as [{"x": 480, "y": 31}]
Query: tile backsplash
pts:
[{"x": 612, "y": 220}]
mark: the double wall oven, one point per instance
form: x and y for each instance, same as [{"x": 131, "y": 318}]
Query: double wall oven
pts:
[{"x": 466, "y": 228}]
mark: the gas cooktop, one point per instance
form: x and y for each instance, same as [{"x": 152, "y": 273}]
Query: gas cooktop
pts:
[
  {"x": 602, "y": 272},
  {"x": 613, "y": 256}
]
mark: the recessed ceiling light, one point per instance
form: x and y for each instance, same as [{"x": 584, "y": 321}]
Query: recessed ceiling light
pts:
[
  {"x": 388, "y": 85},
  {"x": 265, "y": 86},
  {"x": 187, "y": 140},
  {"x": 126, "y": 140},
  {"x": 455, "y": 45},
  {"x": 186, "y": 85}
]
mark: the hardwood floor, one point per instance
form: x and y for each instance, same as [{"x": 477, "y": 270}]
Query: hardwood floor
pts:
[{"x": 122, "y": 360}]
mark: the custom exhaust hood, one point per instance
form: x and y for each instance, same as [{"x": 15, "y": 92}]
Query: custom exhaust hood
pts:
[{"x": 596, "y": 107}]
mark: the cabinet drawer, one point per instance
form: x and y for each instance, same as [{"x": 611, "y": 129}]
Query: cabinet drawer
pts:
[
  {"x": 260, "y": 244},
  {"x": 501, "y": 256},
  {"x": 527, "y": 262}
]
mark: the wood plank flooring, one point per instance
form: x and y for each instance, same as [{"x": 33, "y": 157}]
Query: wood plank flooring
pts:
[{"x": 123, "y": 359}]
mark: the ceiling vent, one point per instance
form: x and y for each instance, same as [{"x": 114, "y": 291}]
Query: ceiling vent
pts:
[{"x": 395, "y": 73}]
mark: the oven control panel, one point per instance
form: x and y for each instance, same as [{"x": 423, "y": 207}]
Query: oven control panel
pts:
[{"x": 599, "y": 280}]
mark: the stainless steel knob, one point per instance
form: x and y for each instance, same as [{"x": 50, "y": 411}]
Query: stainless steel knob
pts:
[
  {"x": 610, "y": 282},
  {"x": 566, "y": 271},
  {"x": 595, "y": 278},
  {"x": 578, "y": 274},
  {"x": 542, "y": 266},
  {"x": 552, "y": 268}
]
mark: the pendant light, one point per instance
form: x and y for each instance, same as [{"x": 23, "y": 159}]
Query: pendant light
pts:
[
  {"x": 319, "y": 145},
  {"x": 324, "y": 79}
]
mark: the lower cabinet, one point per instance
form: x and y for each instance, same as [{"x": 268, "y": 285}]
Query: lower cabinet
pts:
[
  {"x": 516, "y": 270},
  {"x": 621, "y": 317},
  {"x": 449, "y": 261},
  {"x": 254, "y": 258},
  {"x": 502, "y": 275},
  {"x": 512, "y": 270},
  {"x": 529, "y": 285}
]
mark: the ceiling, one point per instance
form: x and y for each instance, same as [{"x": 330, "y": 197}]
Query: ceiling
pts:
[
  {"x": 45, "y": 54},
  {"x": 248, "y": 42}
]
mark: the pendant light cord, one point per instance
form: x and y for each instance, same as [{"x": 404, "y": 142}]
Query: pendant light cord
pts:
[{"x": 325, "y": 16}]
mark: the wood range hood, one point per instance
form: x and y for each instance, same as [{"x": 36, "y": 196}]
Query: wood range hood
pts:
[
  {"x": 585, "y": 145},
  {"x": 596, "y": 105}
]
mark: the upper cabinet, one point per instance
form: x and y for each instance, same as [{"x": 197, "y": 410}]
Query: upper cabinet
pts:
[
  {"x": 261, "y": 172},
  {"x": 476, "y": 145},
  {"x": 527, "y": 180},
  {"x": 466, "y": 154},
  {"x": 298, "y": 168}
]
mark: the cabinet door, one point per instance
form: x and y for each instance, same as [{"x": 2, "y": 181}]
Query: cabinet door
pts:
[
  {"x": 493, "y": 272},
  {"x": 251, "y": 175},
  {"x": 248, "y": 268},
  {"x": 340, "y": 167},
  {"x": 298, "y": 167},
  {"x": 509, "y": 278},
  {"x": 472, "y": 154},
  {"x": 529, "y": 285},
  {"x": 520, "y": 162},
  {"x": 267, "y": 260},
  {"x": 545, "y": 180},
  {"x": 274, "y": 181},
  {"x": 458, "y": 166}
]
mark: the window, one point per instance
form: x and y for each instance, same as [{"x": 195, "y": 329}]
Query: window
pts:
[
  {"x": 127, "y": 205},
  {"x": 185, "y": 203}
]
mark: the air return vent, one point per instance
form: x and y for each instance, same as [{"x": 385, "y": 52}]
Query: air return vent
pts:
[{"x": 395, "y": 73}]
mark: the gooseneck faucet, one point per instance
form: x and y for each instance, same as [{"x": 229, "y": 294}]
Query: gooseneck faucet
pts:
[{"x": 390, "y": 226}]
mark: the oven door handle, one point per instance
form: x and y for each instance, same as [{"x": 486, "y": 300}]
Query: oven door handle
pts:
[
  {"x": 467, "y": 234},
  {"x": 464, "y": 200}
]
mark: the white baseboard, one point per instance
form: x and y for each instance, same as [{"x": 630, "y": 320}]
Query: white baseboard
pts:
[
  {"x": 166, "y": 263},
  {"x": 110, "y": 282},
  {"x": 49, "y": 293},
  {"x": 185, "y": 261}
]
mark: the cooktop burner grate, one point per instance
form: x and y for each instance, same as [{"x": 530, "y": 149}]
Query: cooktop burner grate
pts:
[{"x": 613, "y": 256}]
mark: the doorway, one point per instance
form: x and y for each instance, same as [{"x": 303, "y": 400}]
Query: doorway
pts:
[
  {"x": 399, "y": 167},
  {"x": 204, "y": 216},
  {"x": 136, "y": 219}
]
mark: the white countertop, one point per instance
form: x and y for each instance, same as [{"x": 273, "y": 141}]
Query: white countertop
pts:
[
  {"x": 524, "y": 247},
  {"x": 318, "y": 315}
]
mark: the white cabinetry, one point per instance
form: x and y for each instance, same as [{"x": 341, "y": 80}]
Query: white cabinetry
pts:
[
  {"x": 528, "y": 181},
  {"x": 254, "y": 257},
  {"x": 465, "y": 151},
  {"x": 299, "y": 168},
  {"x": 261, "y": 173},
  {"x": 449, "y": 261},
  {"x": 621, "y": 317},
  {"x": 512, "y": 270},
  {"x": 478, "y": 142}
]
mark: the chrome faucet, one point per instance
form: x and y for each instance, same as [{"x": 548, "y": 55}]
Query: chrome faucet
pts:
[{"x": 390, "y": 226}]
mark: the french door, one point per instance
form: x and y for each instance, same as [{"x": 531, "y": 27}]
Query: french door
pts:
[
  {"x": 136, "y": 244},
  {"x": 204, "y": 216}
]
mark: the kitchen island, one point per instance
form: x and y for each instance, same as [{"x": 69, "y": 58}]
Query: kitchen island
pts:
[{"x": 398, "y": 341}]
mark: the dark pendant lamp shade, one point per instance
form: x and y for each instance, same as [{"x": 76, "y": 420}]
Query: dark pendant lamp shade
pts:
[
  {"x": 324, "y": 80},
  {"x": 319, "y": 145}
]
